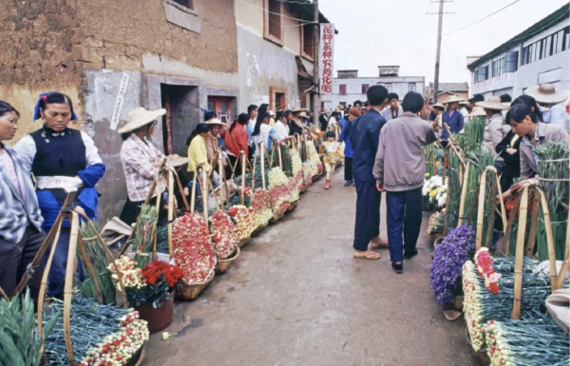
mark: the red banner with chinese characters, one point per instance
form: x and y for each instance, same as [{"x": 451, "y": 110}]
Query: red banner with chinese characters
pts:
[{"x": 326, "y": 50}]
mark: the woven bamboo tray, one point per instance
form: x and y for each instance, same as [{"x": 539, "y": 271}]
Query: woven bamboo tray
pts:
[
  {"x": 243, "y": 242},
  {"x": 186, "y": 291},
  {"x": 224, "y": 264}
]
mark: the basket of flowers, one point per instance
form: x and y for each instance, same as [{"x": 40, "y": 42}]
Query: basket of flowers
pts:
[
  {"x": 434, "y": 193},
  {"x": 316, "y": 164},
  {"x": 245, "y": 223},
  {"x": 436, "y": 225},
  {"x": 280, "y": 194},
  {"x": 293, "y": 188},
  {"x": 222, "y": 230},
  {"x": 261, "y": 203},
  {"x": 194, "y": 254},
  {"x": 150, "y": 290}
]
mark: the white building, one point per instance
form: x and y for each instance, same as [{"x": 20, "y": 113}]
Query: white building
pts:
[
  {"x": 348, "y": 87},
  {"x": 539, "y": 55}
]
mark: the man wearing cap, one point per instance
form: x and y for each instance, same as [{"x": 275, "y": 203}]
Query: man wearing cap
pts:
[
  {"x": 548, "y": 97},
  {"x": 215, "y": 143},
  {"x": 494, "y": 124}
]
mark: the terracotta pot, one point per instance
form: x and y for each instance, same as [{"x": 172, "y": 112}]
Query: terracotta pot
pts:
[{"x": 158, "y": 319}]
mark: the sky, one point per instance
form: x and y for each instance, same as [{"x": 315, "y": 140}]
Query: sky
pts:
[{"x": 399, "y": 32}]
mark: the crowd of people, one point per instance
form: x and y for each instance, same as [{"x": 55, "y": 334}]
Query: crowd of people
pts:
[{"x": 384, "y": 149}]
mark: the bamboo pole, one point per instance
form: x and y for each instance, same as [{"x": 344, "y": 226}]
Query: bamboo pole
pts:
[
  {"x": 481, "y": 210},
  {"x": 445, "y": 160},
  {"x": 223, "y": 178},
  {"x": 463, "y": 194},
  {"x": 4, "y": 296},
  {"x": 170, "y": 212},
  {"x": 68, "y": 287},
  {"x": 242, "y": 193},
  {"x": 89, "y": 266},
  {"x": 193, "y": 193},
  {"x": 205, "y": 194},
  {"x": 180, "y": 188},
  {"x": 516, "y": 312},
  {"x": 507, "y": 236},
  {"x": 280, "y": 157},
  {"x": 489, "y": 239},
  {"x": 262, "y": 164},
  {"x": 533, "y": 225},
  {"x": 549, "y": 240}
]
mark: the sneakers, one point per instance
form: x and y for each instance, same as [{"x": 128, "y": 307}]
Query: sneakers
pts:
[{"x": 348, "y": 183}]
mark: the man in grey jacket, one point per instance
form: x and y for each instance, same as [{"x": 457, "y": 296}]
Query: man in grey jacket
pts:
[{"x": 402, "y": 175}]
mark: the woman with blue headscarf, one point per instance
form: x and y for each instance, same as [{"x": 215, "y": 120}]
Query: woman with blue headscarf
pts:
[{"x": 62, "y": 160}]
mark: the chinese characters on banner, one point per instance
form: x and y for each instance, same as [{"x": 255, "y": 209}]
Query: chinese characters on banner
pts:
[{"x": 326, "y": 58}]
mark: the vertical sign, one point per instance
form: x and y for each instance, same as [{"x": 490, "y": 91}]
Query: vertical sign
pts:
[
  {"x": 326, "y": 58},
  {"x": 119, "y": 101}
]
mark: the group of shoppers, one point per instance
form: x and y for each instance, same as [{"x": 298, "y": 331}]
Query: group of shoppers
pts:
[{"x": 386, "y": 154}]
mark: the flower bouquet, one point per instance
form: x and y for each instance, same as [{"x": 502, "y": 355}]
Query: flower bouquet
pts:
[
  {"x": 448, "y": 260},
  {"x": 436, "y": 225},
  {"x": 487, "y": 298},
  {"x": 245, "y": 223},
  {"x": 434, "y": 193},
  {"x": 222, "y": 229},
  {"x": 307, "y": 174},
  {"x": 317, "y": 165},
  {"x": 280, "y": 193},
  {"x": 294, "y": 193},
  {"x": 261, "y": 204},
  {"x": 194, "y": 254},
  {"x": 100, "y": 334},
  {"x": 149, "y": 290}
]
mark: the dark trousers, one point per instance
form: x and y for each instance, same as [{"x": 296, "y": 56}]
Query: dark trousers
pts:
[
  {"x": 367, "y": 223},
  {"x": 56, "y": 277},
  {"x": 404, "y": 217},
  {"x": 348, "y": 169},
  {"x": 15, "y": 258}
]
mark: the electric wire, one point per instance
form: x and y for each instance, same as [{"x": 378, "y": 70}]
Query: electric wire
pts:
[{"x": 480, "y": 20}]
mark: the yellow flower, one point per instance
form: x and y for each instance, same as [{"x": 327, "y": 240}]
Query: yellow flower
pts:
[
  {"x": 434, "y": 192},
  {"x": 427, "y": 175}
]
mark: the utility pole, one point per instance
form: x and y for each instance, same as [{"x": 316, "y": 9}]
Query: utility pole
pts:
[
  {"x": 316, "y": 96},
  {"x": 438, "y": 50}
]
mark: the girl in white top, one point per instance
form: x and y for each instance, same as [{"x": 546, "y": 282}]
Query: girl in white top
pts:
[{"x": 263, "y": 133}]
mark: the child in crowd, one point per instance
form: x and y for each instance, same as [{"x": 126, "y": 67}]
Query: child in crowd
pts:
[{"x": 332, "y": 155}]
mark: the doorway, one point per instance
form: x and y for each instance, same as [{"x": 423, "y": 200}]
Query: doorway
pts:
[{"x": 182, "y": 115}]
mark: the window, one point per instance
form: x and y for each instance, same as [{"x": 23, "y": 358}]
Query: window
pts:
[
  {"x": 342, "y": 89},
  {"x": 365, "y": 88},
  {"x": 307, "y": 48},
  {"x": 411, "y": 87},
  {"x": 343, "y": 104},
  {"x": 498, "y": 67},
  {"x": 512, "y": 61},
  {"x": 277, "y": 99},
  {"x": 187, "y": 3},
  {"x": 388, "y": 86},
  {"x": 273, "y": 21},
  {"x": 481, "y": 73},
  {"x": 546, "y": 47},
  {"x": 566, "y": 38}
]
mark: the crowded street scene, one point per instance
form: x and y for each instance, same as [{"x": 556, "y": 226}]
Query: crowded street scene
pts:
[{"x": 285, "y": 182}]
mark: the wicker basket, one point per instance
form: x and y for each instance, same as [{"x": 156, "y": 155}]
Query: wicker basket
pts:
[
  {"x": 274, "y": 219},
  {"x": 293, "y": 206},
  {"x": 141, "y": 357},
  {"x": 243, "y": 242},
  {"x": 224, "y": 264},
  {"x": 186, "y": 291},
  {"x": 259, "y": 229},
  {"x": 317, "y": 176}
]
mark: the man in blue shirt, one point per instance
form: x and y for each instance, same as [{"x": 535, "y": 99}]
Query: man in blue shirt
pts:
[
  {"x": 365, "y": 134},
  {"x": 452, "y": 118}
]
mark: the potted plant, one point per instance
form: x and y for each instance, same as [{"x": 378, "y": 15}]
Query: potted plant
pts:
[{"x": 150, "y": 290}]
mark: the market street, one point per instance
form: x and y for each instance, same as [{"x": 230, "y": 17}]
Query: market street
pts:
[{"x": 297, "y": 297}]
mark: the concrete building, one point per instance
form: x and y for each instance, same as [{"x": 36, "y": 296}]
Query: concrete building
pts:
[
  {"x": 448, "y": 90},
  {"x": 539, "y": 55},
  {"x": 349, "y": 87},
  {"x": 183, "y": 55}
]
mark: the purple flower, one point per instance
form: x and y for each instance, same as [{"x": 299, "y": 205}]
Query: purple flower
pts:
[{"x": 448, "y": 260}]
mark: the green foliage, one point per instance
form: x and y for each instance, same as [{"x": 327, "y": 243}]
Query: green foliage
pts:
[
  {"x": 20, "y": 343},
  {"x": 100, "y": 261},
  {"x": 474, "y": 131},
  {"x": 479, "y": 160},
  {"x": 145, "y": 235},
  {"x": 285, "y": 160}
]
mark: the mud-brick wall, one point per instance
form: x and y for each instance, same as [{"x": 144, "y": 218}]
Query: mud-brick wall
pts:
[{"x": 40, "y": 52}]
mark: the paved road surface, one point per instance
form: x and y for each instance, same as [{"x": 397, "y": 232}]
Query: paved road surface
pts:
[{"x": 296, "y": 297}]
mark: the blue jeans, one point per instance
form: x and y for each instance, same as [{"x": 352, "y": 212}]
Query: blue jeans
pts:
[
  {"x": 56, "y": 277},
  {"x": 367, "y": 223},
  {"x": 404, "y": 217}
]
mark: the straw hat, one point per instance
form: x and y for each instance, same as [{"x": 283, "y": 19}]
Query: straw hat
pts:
[
  {"x": 303, "y": 115},
  {"x": 215, "y": 121},
  {"x": 453, "y": 99},
  {"x": 492, "y": 103},
  {"x": 465, "y": 102},
  {"x": 438, "y": 105},
  {"x": 141, "y": 117},
  {"x": 176, "y": 160},
  {"x": 546, "y": 94},
  {"x": 477, "y": 111}
]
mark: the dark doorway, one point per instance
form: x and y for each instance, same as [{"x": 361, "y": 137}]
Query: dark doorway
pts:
[{"x": 182, "y": 115}]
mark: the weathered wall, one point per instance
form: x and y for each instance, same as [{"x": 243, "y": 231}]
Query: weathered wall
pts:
[
  {"x": 40, "y": 53},
  {"x": 118, "y": 33}
]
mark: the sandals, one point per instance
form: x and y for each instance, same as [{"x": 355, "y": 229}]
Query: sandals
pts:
[
  {"x": 371, "y": 256},
  {"x": 381, "y": 244}
]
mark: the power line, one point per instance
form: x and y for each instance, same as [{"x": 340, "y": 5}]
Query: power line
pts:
[
  {"x": 455, "y": 58},
  {"x": 480, "y": 20}
]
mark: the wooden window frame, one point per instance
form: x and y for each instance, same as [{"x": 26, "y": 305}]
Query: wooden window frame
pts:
[
  {"x": 340, "y": 91},
  {"x": 266, "y": 34},
  {"x": 303, "y": 53},
  {"x": 272, "y": 92}
]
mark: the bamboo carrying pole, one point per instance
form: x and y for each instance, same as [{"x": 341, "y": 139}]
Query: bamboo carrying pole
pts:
[
  {"x": 171, "y": 212},
  {"x": 243, "y": 162},
  {"x": 481, "y": 210},
  {"x": 68, "y": 286},
  {"x": 516, "y": 312},
  {"x": 533, "y": 225},
  {"x": 262, "y": 164},
  {"x": 463, "y": 194},
  {"x": 549, "y": 240},
  {"x": 507, "y": 236}
]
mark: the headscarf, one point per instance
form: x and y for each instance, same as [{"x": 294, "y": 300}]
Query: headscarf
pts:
[{"x": 52, "y": 98}]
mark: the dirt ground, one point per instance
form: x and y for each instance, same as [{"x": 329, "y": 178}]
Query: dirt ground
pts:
[{"x": 297, "y": 297}]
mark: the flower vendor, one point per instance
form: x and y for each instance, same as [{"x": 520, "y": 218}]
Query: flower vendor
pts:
[
  {"x": 140, "y": 159},
  {"x": 404, "y": 137},
  {"x": 263, "y": 133},
  {"x": 62, "y": 160},
  {"x": 21, "y": 232}
]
